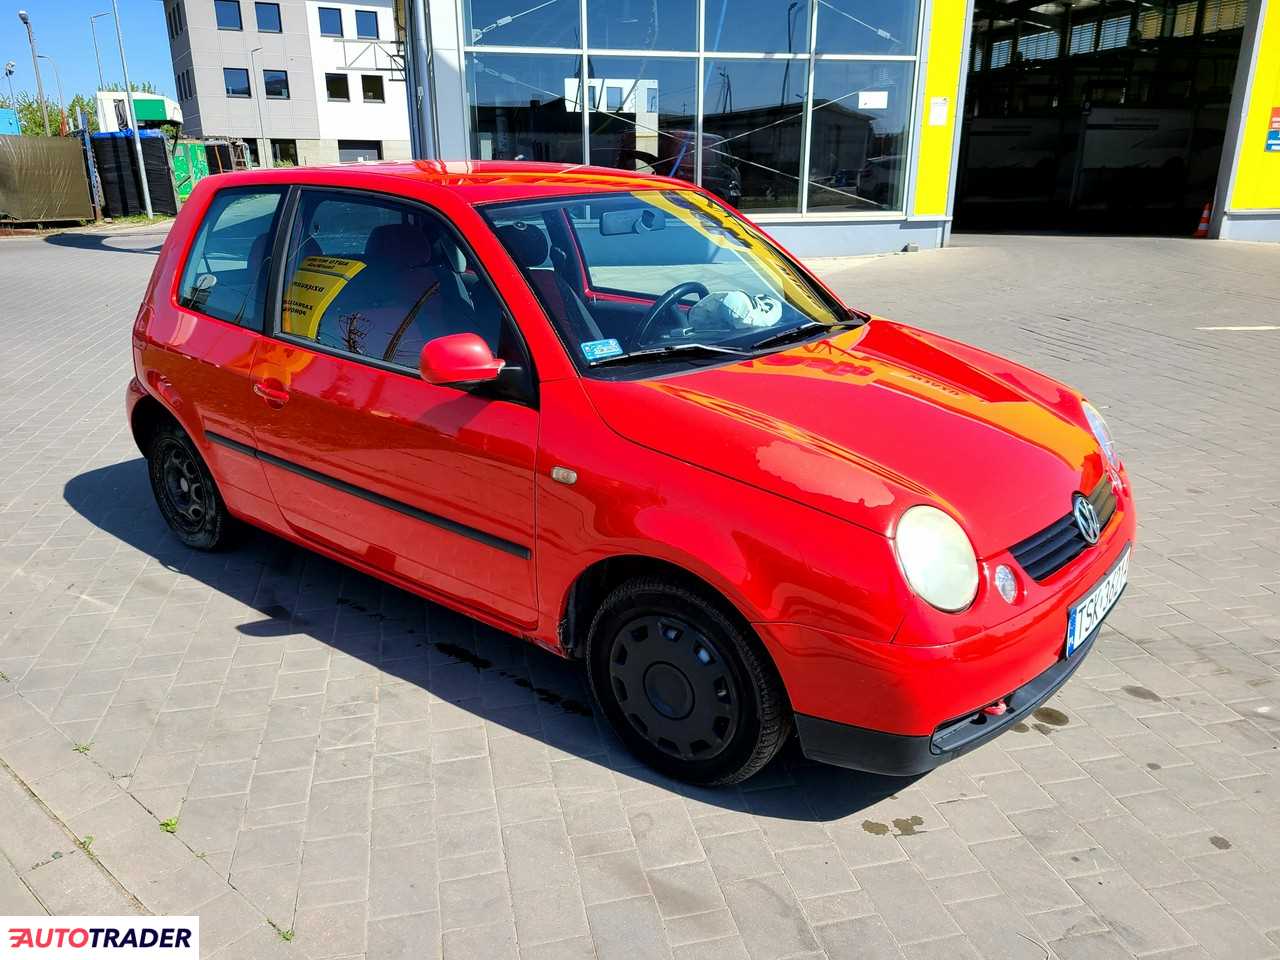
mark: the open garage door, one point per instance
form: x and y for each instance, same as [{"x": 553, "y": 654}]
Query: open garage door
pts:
[{"x": 1096, "y": 116}]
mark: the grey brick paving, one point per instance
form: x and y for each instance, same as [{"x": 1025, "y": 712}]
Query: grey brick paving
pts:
[{"x": 334, "y": 771}]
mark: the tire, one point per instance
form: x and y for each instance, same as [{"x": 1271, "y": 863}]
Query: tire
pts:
[
  {"x": 687, "y": 689},
  {"x": 185, "y": 490}
]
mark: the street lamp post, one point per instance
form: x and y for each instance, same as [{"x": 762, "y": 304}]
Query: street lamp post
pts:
[
  {"x": 57, "y": 76},
  {"x": 35, "y": 65},
  {"x": 257, "y": 98},
  {"x": 133, "y": 120},
  {"x": 96, "y": 55},
  {"x": 8, "y": 75}
]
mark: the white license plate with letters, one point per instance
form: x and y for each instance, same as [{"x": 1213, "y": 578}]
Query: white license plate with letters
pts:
[{"x": 1084, "y": 617}]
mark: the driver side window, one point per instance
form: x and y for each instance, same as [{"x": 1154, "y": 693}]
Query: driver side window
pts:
[{"x": 377, "y": 278}]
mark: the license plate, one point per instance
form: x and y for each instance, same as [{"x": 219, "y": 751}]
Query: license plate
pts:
[{"x": 1084, "y": 617}]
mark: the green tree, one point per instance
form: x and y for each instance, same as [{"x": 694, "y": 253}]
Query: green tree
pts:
[
  {"x": 146, "y": 86},
  {"x": 90, "y": 107},
  {"x": 31, "y": 117}
]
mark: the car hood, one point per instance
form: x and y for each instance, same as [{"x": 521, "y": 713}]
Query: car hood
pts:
[{"x": 866, "y": 423}]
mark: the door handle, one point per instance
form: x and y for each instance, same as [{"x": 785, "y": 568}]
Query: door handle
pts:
[{"x": 275, "y": 397}]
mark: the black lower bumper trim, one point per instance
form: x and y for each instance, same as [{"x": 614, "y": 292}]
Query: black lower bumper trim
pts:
[{"x": 901, "y": 755}]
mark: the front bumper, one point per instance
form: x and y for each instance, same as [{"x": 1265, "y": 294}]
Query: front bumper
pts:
[{"x": 903, "y": 755}]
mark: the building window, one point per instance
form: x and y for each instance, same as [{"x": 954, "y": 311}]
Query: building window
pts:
[
  {"x": 275, "y": 84},
  {"x": 552, "y": 23},
  {"x": 653, "y": 25},
  {"x": 1082, "y": 37},
  {"x": 866, "y": 26},
  {"x": 336, "y": 86},
  {"x": 252, "y": 146},
  {"x": 236, "y": 80},
  {"x": 1001, "y": 51},
  {"x": 330, "y": 22},
  {"x": 352, "y": 150},
  {"x": 757, "y": 26},
  {"x": 371, "y": 88},
  {"x": 367, "y": 24},
  {"x": 644, "y": 115},
  {"x": 227, "y": 13},
  {"x": 268, "y": 15},
  {"x": 1115, "y": 33},
  {"x": 1039, "y": 46},
  {"x": 525, "y": 106},
  {"x": 284, "y": 153}
]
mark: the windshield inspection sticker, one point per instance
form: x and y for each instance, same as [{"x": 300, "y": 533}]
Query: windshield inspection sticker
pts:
[{"x": 600, "y": 349}]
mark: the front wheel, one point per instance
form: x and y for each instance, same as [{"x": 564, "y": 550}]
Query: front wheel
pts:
[
  {"x": 185, "y": 492},
  {"x": 683, "y": 686}
]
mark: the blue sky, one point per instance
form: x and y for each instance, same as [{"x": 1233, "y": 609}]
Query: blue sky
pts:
[{"x": 62, "y": 31}]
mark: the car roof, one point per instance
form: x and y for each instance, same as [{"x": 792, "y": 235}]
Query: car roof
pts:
[{"x": 479, "y": 181}]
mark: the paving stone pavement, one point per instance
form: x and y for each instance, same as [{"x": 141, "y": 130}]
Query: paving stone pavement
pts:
[{"x": 377, "y": 777}]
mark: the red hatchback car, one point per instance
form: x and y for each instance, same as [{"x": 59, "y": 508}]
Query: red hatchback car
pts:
[{"x": 608, "y": 414}]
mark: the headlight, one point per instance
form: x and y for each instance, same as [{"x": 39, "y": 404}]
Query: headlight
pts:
[
  {"x": 937, "y": 558},
  {"x": 1101, "y": 432}
]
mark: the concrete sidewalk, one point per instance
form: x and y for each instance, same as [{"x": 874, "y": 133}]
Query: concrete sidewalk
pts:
[{"x": 349, "y": 772}]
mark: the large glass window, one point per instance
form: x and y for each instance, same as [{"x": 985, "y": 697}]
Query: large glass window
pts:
[
  {"x": 226, "y": 271},
  {"x": 867, "y": 26},
  {"x": 227, "y": 14},
  {"x": 371, "y": 88},
  {"x": 752, "y": 127},
  {"x": 525, "y": 107},
  {"x": 757, "y": 26},
  {"x": 858, "y": 144},
  {"x": 642, "y": 24},
  {"x": 377, "y": 279},
  {"x": 644, "y": 116},
  {"x": 549, "y": 23}
]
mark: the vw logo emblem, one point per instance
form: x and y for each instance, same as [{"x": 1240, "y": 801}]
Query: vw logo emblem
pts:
[{"x": 1086, "y": 519}]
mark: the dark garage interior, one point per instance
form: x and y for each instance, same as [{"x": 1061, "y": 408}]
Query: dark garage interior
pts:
[{"x": 1096, "y": 116}]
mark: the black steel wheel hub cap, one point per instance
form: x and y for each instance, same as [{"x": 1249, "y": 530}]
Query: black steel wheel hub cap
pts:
[
  {"x": 184, "y": 488},
  {"x": 674, "y": 687}
]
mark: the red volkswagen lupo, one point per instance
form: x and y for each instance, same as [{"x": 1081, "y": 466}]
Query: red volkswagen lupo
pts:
[{"x": 606, "y": 413}]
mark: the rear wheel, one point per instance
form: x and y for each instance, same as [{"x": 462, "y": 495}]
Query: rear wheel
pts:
[
  {"x": 184, "y": 490},
  {"x": 683, "y": 685}
]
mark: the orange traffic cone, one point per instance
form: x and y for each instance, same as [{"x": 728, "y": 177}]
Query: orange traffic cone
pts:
[{"x": 1202, "y": 231}]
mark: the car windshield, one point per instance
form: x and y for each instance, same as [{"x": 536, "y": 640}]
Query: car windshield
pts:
[{"x": 658, "y": 275}]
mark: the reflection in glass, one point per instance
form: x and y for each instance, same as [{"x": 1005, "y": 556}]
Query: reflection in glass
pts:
[
  {"x": 857, "y": 155},
  {"x": 642, "y": 24},
  {"x": 524, "y": 23},
  {"x": 751, "y": 132},
  {"x": 644, "y": 115},
  {"x": 758, "y": 26},
  {"x": 867, "y": 26},
  {"x": 524, "y": 107}
]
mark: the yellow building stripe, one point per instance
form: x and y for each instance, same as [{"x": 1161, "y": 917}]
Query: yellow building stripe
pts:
[
  {"x": 941, "y": 79},
  {"x": 1257, "y": 183}
]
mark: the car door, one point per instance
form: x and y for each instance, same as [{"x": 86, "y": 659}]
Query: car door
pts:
[
  {"x": 200, "y": 347},
  {"x": 433, "y": 484}
]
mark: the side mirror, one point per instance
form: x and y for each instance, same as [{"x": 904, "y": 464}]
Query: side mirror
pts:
[{"x": 457, "y": 359}]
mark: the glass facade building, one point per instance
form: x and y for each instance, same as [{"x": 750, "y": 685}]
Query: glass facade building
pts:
[
  {"x": 834, "y": 123},
  {"x": 784, "y": 107},
  {"x": 794, "y": 111}
]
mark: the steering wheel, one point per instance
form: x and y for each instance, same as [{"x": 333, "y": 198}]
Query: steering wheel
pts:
[{"x": 665, "y": 302}]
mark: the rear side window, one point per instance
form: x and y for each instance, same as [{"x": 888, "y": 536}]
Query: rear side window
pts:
[{"x": 226, "y": 272}]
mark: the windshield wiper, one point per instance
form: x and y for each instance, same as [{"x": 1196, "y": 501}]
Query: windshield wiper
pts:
[
  {"x": 805, "y": 329},
  {"x": 669, "y": 350}
]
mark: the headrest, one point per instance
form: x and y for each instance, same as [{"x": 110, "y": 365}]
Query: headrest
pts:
[
  {"x": 398, "y": 242},
  {"x": 446, "y": 253},
  {"x": 527, "y": 245}
]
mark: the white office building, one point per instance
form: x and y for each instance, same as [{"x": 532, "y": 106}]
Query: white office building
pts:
[{"x": 300, "y": 81}]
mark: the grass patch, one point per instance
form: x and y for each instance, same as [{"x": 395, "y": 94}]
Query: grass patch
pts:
[
  {"x": 83, "y": 747},
  {"x": 170, "y": 825}
]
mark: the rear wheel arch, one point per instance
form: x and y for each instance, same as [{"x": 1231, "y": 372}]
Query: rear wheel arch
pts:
[{"x": 149, "y": 414}]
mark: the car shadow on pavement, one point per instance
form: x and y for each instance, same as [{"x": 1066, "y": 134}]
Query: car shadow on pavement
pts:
[
  {"x": 285, "y": 591},
  {"x": 148, "y": 243}
]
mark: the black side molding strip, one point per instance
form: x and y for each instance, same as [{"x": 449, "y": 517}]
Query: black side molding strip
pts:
[{"x": 444, "y": 523}]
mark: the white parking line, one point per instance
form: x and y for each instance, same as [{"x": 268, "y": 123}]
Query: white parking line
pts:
[{"x": 1261, "y": 327}]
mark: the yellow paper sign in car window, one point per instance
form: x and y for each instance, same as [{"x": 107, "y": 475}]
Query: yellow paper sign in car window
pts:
[{"x": 314, "y": 285}]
